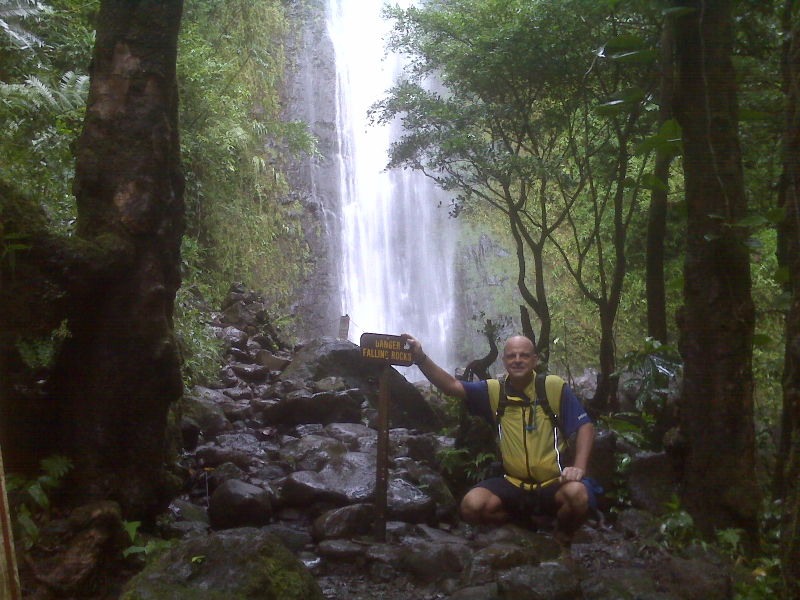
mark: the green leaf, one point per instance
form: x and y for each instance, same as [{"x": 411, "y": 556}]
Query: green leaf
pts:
[
  {"x": 675, "y": 284},
  {"x": 752, "y": 221},
  {"x": 761, "y": 340},
  {"x": 625, "y": 42},
  {"x": 131, "y": 528},
  {"x": 776, "y": 215},
  {"x": 133, "y": 550},
  {"x": 678, "y": 11},
  {"x": 651, "y": 182},
  {"x": 781, "y": 274},
  {"x": 39, "y": 496},
  {"x": 749, "y": 114}
]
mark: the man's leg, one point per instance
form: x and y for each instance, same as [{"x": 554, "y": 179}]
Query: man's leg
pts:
[
  {"x": 481, "y": 506},
  {"x": 572, "y": 500}
]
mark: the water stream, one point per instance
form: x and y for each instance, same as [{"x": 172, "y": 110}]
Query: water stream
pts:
[{"x": 397, "y": 241}]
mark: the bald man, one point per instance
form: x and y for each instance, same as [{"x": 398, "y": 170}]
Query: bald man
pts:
[{"x": 535, "y": 481}]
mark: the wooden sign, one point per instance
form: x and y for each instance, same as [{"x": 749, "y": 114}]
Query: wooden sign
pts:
[
  {"x": 391, "y": 349},
  {"x": 9, "y": 580}
]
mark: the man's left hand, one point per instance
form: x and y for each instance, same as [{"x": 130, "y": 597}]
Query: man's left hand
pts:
[{"x": 572, "y": 474}]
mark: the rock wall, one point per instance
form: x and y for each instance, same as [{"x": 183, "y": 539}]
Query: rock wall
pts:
[{"x": 309, "y": 95}]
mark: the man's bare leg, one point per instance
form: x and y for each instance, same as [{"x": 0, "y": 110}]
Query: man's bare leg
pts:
[
  {"x": 573, "y": 507},
  {"x": 482, "y": 507}
]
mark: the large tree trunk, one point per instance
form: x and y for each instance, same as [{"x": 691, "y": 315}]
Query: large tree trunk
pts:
[
  {"x": 657, "y": 215},
  {"x": 119, "y": 371},
  {"x": 788, "y": 477},
  {"x": 716, "y": 322}
]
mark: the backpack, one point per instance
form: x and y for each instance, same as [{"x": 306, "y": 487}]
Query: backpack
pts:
[{"x": 530, "y": 435}]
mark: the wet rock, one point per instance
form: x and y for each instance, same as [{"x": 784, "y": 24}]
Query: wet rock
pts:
[
  {"x": 312, "y": 452},
  {"x": 272, "y": 362},
  {"x": 190, "y": 433},
  {"x": 637, "y": 523},
  {"x": 204, "y": 407},
  {"x": 353, "y": 475},
  {"x": 251, "y": 373},
  {"x": 603, "y": 461},
  {"x": 350, "y": 434},
  {"x": 349, "y": 521},
  {"x": 622, "y": 584},
  {"x": 340, "y": 549},
  {"x": 651, "y": 481},
  {"x": 241, "y": 449},
  {"x": 264, "y": 569},
  {"x": 240, "y": 392},
  {"x": 91, "y": 540},
  {"x": 330, "y": 384},
  {"x": 239, "y": 504},
  {"x": 223, "y": 473},
  {"x": 406, "y": 502},
  {"x": 696, "y": 579},
  {"x": 431, "y": 561},
  {"x": 541, "y": 545},
  {"x": 497, "y": 557},
  {"x": 302, "y": 488},
  {"x": 323, "y": 407},
  {"x": 227, "y": 378},
  {"x": 487, "y": 591},
  {"x": 548, "y": 581},
  {"x": 383, "y": 561},
  {"x": 325, "y": 357},
  {"x": 294, "y": 538},
  {"x": 235, "y": 337}
]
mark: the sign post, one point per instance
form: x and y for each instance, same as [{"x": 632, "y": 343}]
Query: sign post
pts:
[
  {"x": 9, "y": 579},
  {"x": 389, "y": 350}
]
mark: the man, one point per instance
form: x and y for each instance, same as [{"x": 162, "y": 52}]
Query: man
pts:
[{"x": 535, "y": 481}]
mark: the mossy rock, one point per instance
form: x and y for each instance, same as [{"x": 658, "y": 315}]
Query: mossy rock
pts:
[{"x": 238, "y": 564}]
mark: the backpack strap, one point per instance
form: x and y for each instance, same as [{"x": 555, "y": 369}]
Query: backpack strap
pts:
[{"x": 546, "y": 400}]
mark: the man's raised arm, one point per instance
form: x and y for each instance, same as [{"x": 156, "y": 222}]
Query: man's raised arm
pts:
[{"x": 443, "y": 380}]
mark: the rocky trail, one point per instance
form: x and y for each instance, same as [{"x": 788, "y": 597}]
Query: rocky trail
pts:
[{"x": 278, "y": 467}]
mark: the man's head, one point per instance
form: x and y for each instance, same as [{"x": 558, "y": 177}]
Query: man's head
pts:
[{"x": 520, "y": 359}]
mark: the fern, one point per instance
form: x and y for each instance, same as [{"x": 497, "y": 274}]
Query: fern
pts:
[{"x": 12, "y": 11}]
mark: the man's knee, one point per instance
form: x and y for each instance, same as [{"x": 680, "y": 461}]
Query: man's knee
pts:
[
  {"x": 480, "y": 505},
  {"x": 574, "y": 495}
]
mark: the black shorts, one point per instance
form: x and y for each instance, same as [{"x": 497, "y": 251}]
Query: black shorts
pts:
[{"x": 521, "y": 504}]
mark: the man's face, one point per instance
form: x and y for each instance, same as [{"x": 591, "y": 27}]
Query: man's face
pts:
[{"x": 519, "y": 357}]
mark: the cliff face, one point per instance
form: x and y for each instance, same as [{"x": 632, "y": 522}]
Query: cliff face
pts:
[{"x": 310, "y": 96}]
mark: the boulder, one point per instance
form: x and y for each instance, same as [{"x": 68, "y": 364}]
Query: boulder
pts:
[
  {"x": 200, "y": 569},
  {"x": 239, "y": 504},
  {"x": 651, "y": 481},
  {"x": 345, "y": 522},
  {"x": 548, "y": 581},
  {"x": 327, "y": 356}
]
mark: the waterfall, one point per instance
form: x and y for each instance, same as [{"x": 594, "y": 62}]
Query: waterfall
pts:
[{"x": 397, "y": 240}]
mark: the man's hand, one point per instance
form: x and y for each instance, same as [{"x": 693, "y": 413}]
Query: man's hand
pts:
[
  {"x": 572, "y": 474},
  {"x": 415, "y": 347}
]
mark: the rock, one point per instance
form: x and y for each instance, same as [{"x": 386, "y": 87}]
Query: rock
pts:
[
  {"x": 406, "y": 502},
  {"x": 340, "y": 549},
  {"x": 272, "y": 362},
  {"x": 251, "y": 373},
  {"x": 294, "y": 538},
  {"x": 240, "y": 392},
  {"x": 323, "y": 407},
  {"x": 431, "y": 561},
  {"x": 651, "y": 481},
  {"x": 351, "y": 474},
  {"x": 548, "y": 581},
  {"x": 312, "y": 452},
  {"x": 350, "y": 434},
  {"x": 190, "y": 433},
  {"x": 241, "y": 449},
  {"x": 235, "y": 337},
  {"x": 488, "y": 591},
  {"x": 200, "y": 569},
  {"x": 222, "y": 473},
  {"x": 95, "y": 538},
  {"x": 330, "y": 384},
  {"x": 206, "y": 411},
  {"x": 603, "y": 460},
  {"x": 349, "y": 521},
  {"x": 496, "y": 557},
  {"x": 326, "y": 357},
  {"x": 302, "y": 488},
  {"x": 238, "y": 504},
  {"x": 622, "y": 584},
  {"x": 696, "y": 579},
  {"x": 637, "y": 523}
]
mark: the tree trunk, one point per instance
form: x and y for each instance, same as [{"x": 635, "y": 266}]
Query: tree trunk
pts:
[
  {"x": 788, "y": 465},
  {"x": 719, "y": 486},
  {"x": 657, "y": 216},
  {"x": 119, "y": 371}
]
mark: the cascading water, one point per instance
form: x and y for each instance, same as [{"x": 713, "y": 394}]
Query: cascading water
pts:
[{"x": 397, "y": 246}]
